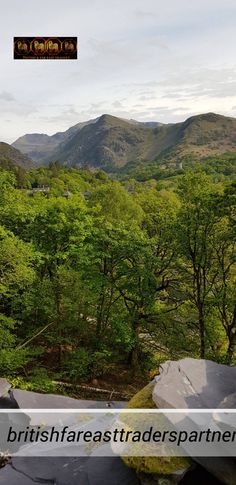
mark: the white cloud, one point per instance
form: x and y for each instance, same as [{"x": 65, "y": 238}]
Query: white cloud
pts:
[
  {"x": 6, "y": 96},
  {"x": 158, "y": 60}
]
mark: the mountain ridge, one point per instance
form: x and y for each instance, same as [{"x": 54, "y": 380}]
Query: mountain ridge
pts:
[{"x": 108, "y": 142}]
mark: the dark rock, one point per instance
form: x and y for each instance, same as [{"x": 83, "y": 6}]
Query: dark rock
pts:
[
  {"x": 224, "y": 469},
  {"x": 199, "y": 476},
  {"x": 153, "y": 479},
  {"x": 58, "y": 471},
  {"x": 67, "y": 471},
  {"x": 109, "y": 471},
  {"x": 9, "y": 476},
  {"x": 8, "y": 401}
]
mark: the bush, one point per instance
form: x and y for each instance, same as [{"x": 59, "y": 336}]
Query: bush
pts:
[
  {"x": 77, "y": 365},
  {"x": 101, "y": 363},
  {"x": 38, "y": 381}
]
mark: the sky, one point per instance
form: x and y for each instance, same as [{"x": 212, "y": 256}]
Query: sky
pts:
[{"x": 149, "y": 60}]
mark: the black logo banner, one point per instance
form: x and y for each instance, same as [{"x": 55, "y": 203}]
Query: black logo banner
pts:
[{"x": 45, "y": 48}]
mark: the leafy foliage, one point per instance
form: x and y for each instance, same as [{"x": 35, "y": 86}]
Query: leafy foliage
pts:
[{"x": 96, "y": 273}]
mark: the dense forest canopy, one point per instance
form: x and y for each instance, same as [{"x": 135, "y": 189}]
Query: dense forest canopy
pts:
[{"x": 97, "y": 273}]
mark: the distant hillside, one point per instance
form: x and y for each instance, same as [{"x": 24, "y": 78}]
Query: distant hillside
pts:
[
  {"x": 41, "y": 148},
  {"x": 10, "y": 157},
  {"x": 203, "y": 135},
  {"x": 109, "y": 142}
]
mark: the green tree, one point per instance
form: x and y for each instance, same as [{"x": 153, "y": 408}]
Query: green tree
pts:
[
  {"x": 224, "y": 287},
  {"x": 16, "y": 275},
  {"x": 195, "y": 231}
]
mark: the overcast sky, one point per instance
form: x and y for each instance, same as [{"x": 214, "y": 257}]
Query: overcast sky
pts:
[{"x": 148, "y": 60}]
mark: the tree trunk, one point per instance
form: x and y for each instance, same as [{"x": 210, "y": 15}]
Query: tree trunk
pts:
[
  {"x": 134, "y": 360},
  {"x": 101, "y": 301},
  {"x": 100, "y": 311},
  {"x": 201, "y": 317},
  {"x": 231, "y": 347},
  {"x": 58, "y": 323},
  {"x": 134, "y": 354},
  {"x": 202, "y": 333},
  {"x": 231, "y": 334}
]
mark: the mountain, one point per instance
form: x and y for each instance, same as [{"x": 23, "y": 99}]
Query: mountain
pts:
[
  {"x": 103, "y": 142},
  {"x": 10, "y": 157},
  {"x": 203, "y": 135},
  {"x": 109, "y": 142},
  {"x": 41, "y": 147}
]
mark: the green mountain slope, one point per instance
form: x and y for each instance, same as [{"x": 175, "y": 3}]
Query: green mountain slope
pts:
[
  {"x": 11, "y": 157},
  {"x": 204, "y": 135}
]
